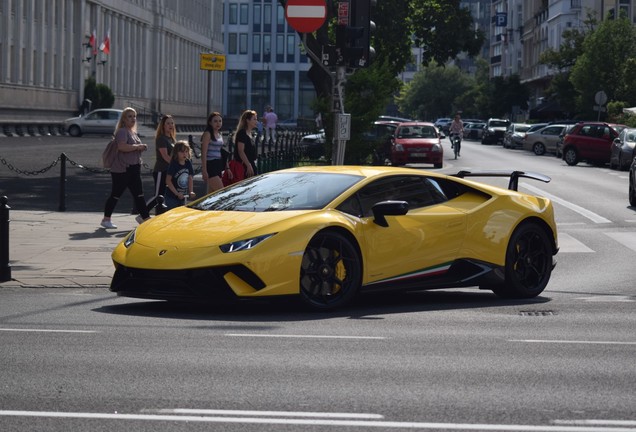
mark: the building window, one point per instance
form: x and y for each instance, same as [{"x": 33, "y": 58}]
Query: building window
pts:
[
  {"x": 260, "y": 90},
  {"x": 232, "y": 43},
  {"x": 256, "y": 48},
  {"x": 280, "y": 48},
  {"x": 285, "y": 94},
  {"x": 291, "y": 47},
  {"x": 233, "y": 13},
  {"x": 267, "y": 48},
  {"x": 244, "y": 13},
  {"x": 236, "y": 93},
  {"x": 243, "y": 43},
  {"x": 267, "y": 18},
  {"x": 257, "y": 19},
  {"x": 280, "y": 20}
]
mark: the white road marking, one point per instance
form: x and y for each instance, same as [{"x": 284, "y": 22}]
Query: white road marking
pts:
[
  {"x": 608, "y": 299},
  {"x": 596, "y": 422},
  {"x": 319, "y": 422},
  {"x": 580, "y": 210},
  {"x": 582, "y": 342},
  {"x": 301, "y": 336},
  {"x": 46, "y": 330},
  {"x": 265, "y": 413},
  {"x": 568, "y": 244},
  {"x": 627, "y": 239}
]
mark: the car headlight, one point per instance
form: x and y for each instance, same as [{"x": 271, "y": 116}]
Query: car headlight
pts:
[
  {"x": 398, "y": 147},
  {"x": 242, "y": 245},
  {"x": 436, "y": 148},
  {"x": 130, "y": 239}
]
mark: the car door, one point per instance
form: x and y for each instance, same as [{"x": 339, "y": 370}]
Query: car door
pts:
[
  {"x": 424, "y": 240},
  {"x": 550, "y": 137},
  {"x": 90, "y": 123}
]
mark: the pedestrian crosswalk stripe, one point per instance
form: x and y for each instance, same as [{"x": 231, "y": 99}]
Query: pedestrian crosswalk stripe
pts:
[
  {"x": 627, "y": 239},
  {"x": 568, "y": 244}
]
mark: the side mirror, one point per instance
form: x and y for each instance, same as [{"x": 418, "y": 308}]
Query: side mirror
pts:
[{"x": 388, "y": 208}]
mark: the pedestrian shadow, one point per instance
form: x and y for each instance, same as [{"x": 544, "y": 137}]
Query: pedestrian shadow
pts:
[{"x": 97, "y": 234}]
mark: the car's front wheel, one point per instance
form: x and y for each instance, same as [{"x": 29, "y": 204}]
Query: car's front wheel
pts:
[
  {"x": 538, "y": 149},
  {"x": 74, "y": 131},
  {"x": 330, "y": 272},
  {"x": 528, "y": 263},
  {"x": 571, "y": 157}
]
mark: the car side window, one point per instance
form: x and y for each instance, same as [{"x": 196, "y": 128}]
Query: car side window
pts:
[{"x": 417, "y": 191}]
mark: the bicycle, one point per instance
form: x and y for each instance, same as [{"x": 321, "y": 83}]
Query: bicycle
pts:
[{"x": 456, "y": 144}]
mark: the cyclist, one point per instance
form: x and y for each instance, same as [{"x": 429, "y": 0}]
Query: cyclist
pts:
[{"x": 456, "y": 131}]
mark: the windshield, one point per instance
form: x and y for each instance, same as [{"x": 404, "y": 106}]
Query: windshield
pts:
[{"x": 280, "y": 191}]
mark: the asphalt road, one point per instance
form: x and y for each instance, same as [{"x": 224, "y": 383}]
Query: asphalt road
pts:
[{"x": 77, "y": 360}]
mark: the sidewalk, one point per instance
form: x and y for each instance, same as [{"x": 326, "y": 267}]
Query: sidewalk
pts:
[{"x": 62, "y": 249}]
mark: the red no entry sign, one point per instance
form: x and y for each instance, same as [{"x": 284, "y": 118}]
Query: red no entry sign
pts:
[{"x": 306, "y": 16}]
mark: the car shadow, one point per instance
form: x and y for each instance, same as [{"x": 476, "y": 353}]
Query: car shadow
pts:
[{"x": 367, "y": 307}]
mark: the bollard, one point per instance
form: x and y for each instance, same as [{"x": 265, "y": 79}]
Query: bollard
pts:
[
  {"x": 161, "y": 206},
  {"x": 5, "y": 267},
  {"x": 62, "y": 183}
]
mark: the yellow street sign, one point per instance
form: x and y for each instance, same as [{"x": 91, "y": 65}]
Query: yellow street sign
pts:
[{"x": 215, "y": 62}]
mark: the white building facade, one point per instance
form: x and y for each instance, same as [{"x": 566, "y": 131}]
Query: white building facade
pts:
[{"x": 48, "y": 48}]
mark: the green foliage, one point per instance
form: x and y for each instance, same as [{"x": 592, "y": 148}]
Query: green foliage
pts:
[
  {"x": 100, "y": 95},
  {"x": 607, "y": 52}
]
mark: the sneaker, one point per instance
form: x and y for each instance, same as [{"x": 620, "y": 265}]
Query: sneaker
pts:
[
  {"x": 108, "y": 224},
  {"x": 141, "y": 220}
]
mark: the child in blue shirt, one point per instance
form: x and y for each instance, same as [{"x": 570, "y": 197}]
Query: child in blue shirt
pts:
[{"x": 180, "y": 176}]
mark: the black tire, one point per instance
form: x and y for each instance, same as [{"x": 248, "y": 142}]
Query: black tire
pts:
[
  {"x": 632, "y": 191},
  {"x": 330, "y": 273},
  {"x": 74, "y": 131},
  {"x": 538, "y": 149},
  {"x": 570, "y": 156},
  {"x": 438, "y": 165},
  {"x": 528, "y": 263}
]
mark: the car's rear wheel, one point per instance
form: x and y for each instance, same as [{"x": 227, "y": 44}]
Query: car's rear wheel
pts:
[
  {"x": 528, "y": 263},
  {"x": 538, "y": 149},
  {"x": 330, "y": 272},
  {"x": 571, "y": 157},
  {"x": 74, "y": 131}
]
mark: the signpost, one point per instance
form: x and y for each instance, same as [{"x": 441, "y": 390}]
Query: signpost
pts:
[
  {"x": 212, "y": 62},
  {"x": 306, "y": 16}
]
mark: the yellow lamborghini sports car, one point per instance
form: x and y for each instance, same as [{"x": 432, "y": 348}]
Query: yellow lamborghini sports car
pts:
[{"x": 325, "y": 234}]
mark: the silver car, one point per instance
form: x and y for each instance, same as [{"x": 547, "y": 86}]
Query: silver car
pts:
[
  {"x": 544, "y": 139},
  {"x": 622, "y": 150},
  {"x": 99, "y": 121}
]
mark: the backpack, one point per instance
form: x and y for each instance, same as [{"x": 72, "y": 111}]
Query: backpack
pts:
[{"x": 110, "y": 153}]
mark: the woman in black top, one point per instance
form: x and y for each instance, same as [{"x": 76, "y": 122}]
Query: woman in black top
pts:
[{"x": 245, "y": 150}]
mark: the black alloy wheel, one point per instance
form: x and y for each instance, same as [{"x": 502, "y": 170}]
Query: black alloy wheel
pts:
[{"x": 330, "y": 272}]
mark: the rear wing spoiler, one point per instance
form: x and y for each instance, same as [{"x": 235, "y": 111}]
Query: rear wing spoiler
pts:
[{"x": 513, "y": 184}]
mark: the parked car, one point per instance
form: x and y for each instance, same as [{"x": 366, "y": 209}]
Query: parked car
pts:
[
  {"x": 591, "y": 142},
  {"x": 442, "y": 124},
  {"x": 417, "y": 142},
  {"x": 513, "y": 137},
  {"x": 313, "y": 145},
  {"x": 379, "y": 137},
  {"x": 543, "y": 140},
  {"x": 622, "y": 150},
  {"x": 394, "y": 119},
  {"x": 494, "y": 131},
  {"x": 632, "y": 181},
  {"x": 99, "y": 121},
  {"x": 326, "y": 234},
  {"x": 558, "y": 151},
  {"x": 474, "y": 131}
]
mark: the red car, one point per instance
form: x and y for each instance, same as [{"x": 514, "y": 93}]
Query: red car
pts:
[
  {"x": 415, "y": 142},
  {"x": 591, "y": 142}
]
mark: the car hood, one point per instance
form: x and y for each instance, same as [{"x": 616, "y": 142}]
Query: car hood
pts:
[{"x": 190, "y": 228}]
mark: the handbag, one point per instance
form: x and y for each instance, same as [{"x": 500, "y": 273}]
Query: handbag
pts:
[
  {"x": 238, "y": 173},
  {"x": 110, "y": 153}
]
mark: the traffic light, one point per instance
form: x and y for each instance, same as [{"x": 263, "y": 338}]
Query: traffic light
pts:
[{"x": 353, "y": 33}]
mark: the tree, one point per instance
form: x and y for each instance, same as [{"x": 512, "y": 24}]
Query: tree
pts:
[
  {"x": 441, "y": 27},
  {"x": 433, "y": 92},
  {"x": 100, "y": 95},
  {"x": 605, "y": 63}
]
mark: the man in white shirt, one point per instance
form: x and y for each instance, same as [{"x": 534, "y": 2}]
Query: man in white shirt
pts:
[{"x": 270, "y": 119}]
